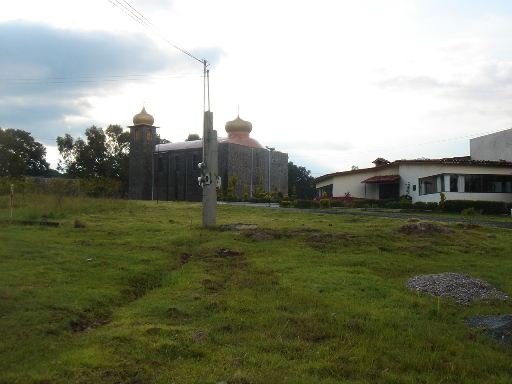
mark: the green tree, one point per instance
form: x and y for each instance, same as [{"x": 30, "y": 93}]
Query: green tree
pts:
[
  {"x": 101, "y": 154},
  {"x": 300, "y": 178},
  {"x": 11, "y": 163},
  {"x": 193, "y": 137},
  {"x": 161, "y": 140},
  {"x": 21, "y": 155}
]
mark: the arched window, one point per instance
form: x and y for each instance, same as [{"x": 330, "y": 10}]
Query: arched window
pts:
[
  {"x": 137, "y": 134},
  {"x": 148, "y": 135}
]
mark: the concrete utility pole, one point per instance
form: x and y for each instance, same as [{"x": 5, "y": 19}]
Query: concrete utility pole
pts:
[{"x": 209, "y": 167}]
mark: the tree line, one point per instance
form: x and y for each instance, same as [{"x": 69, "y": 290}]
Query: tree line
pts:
[{"x": 102, "y": 153}]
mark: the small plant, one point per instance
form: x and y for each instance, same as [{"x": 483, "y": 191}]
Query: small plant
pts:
[
  {"x": 325, "y": 202},
  {"x": 442, "y": 201},
  {"x": 471, "y": 214}
]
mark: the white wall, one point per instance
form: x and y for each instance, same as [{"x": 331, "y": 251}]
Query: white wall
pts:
[
  {"x": 412, "y": 173},
  {"x": 496, "y": 146},
  {"x": 351, "y": 182}
]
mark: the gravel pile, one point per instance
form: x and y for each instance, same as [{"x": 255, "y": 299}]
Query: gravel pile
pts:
[{"x": 460, "y": 287}]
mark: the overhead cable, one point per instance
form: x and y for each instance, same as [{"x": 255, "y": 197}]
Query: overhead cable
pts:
[{"x": 139, "y": 18}]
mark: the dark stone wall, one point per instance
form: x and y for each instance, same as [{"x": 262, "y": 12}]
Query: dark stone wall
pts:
[
  {"x": 251, "y": 166},
  {"x": 142, "y": 145},
  {"x": 176, "y": 172}
]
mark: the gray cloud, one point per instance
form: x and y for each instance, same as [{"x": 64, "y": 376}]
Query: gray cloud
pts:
[
  {"x": 491, "y": 81},
  {"x": 47, "y": 73}
]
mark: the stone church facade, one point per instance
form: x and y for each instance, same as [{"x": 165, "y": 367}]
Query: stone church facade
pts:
[{"x": 170, "y": 171}]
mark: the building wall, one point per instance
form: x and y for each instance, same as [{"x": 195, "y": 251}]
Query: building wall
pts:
[
  {"x": 351, "y": 182},
  {"x": 496, "y": 146},
  {"x": 176, "y": 171},
  {"x": 413, "y": 173},
  {"x": 411, "y": 176},
  {"x": 251, "y": 166},
  {"x": 142, "y": 144}
]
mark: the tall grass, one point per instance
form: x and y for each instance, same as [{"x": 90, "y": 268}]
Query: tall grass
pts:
[{"x": 144, "y": 294}]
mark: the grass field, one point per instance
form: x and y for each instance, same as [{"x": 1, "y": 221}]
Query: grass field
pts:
[{"x": 144, "y": 294}]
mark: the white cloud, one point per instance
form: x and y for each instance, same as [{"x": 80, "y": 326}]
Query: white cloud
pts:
[{"x": 334, "y": 83}]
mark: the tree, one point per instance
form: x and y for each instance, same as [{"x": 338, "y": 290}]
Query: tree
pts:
[
  {"x": 301, "y": 181},
  {"x": 102, "y": 154},
  {"x": 193, "y": 137},
  {"x": 161, "y": 140},
  {"x": 21, "y": 155}
]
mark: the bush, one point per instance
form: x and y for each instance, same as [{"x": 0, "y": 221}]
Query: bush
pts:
[
  {"x": 325, "y": 203},
  {"x": 420, "y": 205},
  {"x": 368, "y": 203},
  {"x": 487, "y": 207},
  {"x": 307, "y": 204},
  {"x": 393, "y": 204},
  {"x": 431, "y": 206},
  {"x": 338, "y": 203}
]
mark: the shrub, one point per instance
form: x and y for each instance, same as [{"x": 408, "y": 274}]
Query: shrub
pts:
[
  {"x": 487, "y": 207},
  {"x": 406, "y": 204},
  {"x": 393, "y": 204},
  {"x": 420, "y": 205},
  {"x": 325, "y": 203},
  {"x": 442, "y": 200},
  {"x": 338, "y": 203},
  {"x": 307, "y": 204},
  {"x": 431, "y": 206}
]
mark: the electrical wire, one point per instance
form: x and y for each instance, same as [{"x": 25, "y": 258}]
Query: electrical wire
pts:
[
  {"x": 139, "y": 18},
  {"x": 92, "y": 79}
]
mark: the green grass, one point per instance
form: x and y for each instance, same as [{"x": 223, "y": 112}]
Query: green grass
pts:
[{"x": 144, "y": 294}]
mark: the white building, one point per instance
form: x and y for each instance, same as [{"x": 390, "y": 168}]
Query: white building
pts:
[{"x": 485, "y": 175}]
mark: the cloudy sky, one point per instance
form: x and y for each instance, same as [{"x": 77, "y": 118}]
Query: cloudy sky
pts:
[{"x": 333, "y": 83}]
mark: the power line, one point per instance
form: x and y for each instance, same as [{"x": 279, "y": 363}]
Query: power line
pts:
[
  {"x": 139, "y": 18},
  {"x": 92, "y": 79}
]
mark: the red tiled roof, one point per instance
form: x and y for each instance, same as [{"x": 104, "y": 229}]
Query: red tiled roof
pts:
[{"x": 382, "y": 179}]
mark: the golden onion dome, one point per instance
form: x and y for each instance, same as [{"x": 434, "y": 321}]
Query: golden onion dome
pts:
[
  {"x": 143, "y": 118},
  {"x": 238, "y": 125}
]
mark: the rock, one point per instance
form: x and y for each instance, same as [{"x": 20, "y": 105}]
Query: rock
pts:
[
  {"x": 199, "y": 336},
  {"x": 460, "y": 287},
  {"x": 238, "y": 226},
  {"x": 79, "y": 224}
]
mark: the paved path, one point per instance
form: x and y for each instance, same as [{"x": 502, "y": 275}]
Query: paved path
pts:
[{"x": 395, "y": 215}]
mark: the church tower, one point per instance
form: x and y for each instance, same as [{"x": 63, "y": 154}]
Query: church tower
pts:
[{"x": 142, "y": 146}]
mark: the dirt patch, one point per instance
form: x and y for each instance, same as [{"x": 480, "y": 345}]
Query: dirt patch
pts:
[
  {"x": 261, "y": 236},
  {"x": 460, "y": 287},
  {"x": 423, "y": 228}
]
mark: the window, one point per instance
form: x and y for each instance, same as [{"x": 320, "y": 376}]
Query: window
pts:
[
  {"x": 327, "y": 189},
  {"x": 137, "y": 134},
  {"x": 473, "y": 183},
  {"x": 428, "y": 185},
  {"x": 148, "y": 135},
  {"x": 454, "y": 183},
  {"x": 488, "y": 183}
]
